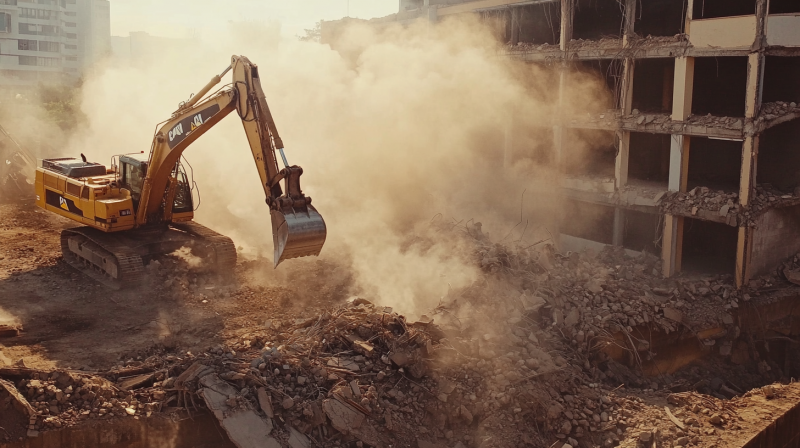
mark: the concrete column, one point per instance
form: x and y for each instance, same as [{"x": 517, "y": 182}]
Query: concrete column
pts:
[
  {"x": 672, "y": 242},
  {"x": 630, "y": 21},
  {"x": 621, "y": 161},
  {"x": 619, "y": 226},
  {"x": 683, "y": 88},
  {"x": 626, "y": 92},
  {"x": 515, "y": 26},
  {"x": 567, "y": 14},
  {"x": 744, "y": 249},
  {"x": 687, "y": 24},
  {"x": 679, "y": 162},
  {"x": 625, "y": 104},
  {"x": 747, "y": 178},
  {"x": 672, "y": 245}
]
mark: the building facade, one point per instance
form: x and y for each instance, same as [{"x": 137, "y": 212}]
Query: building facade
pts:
[
  {"x": 696, "y": 157},
  {"x": 51, "y": 41}
]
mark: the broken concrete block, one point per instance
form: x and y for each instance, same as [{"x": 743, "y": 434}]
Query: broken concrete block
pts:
[
  {"x": 297, "y": 439},
  {"x": 243, "y": 426},
  {"x": 400, "y": 358},
  {"x": 356, "y": 390},
  {"x": 673, "y": 314},
  {"x": 792, "y": 275},
  {"x": 572, "y": 318},
  {"x": 347, "y": 420},
  {"x": 344, "y": 363}
]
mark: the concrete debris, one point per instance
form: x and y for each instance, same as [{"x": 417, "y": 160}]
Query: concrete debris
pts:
[
  {"x": 10, "y": 331},
  {"x": 297, "y": 439},
  {"x": 723, "y": 206}
]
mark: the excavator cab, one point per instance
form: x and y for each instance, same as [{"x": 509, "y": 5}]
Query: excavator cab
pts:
[{"x": 132, "y": 171}]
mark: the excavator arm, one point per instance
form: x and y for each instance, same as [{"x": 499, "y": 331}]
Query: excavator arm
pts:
[{"x": 297, "y": 228}]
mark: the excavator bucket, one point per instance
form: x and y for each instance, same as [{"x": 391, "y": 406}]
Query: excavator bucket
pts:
[{"x": 297, "y": 232}]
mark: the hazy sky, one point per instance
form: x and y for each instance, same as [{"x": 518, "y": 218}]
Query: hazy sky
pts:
[{"x": 182, "y": 18}]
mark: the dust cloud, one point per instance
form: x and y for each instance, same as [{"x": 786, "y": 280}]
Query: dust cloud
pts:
[{"x": 404, "y": 125}]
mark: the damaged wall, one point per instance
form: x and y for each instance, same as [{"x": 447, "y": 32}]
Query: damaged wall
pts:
[{"x": 776, "y": 238}]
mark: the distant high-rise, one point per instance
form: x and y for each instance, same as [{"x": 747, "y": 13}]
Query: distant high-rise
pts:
[
  {"x": 94, "y": 31},
  {"x": 51, "y": 41}
]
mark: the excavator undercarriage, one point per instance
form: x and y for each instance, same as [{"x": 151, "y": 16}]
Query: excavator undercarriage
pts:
[{"x": 118, "y": 260}]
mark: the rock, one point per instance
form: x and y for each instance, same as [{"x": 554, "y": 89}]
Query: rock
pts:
[
  {"x": 287, "y": 403},
  {"x": 673, "y": 314},
  {"x": 297, "y": 439},
  {"x": 572, "y": 318},
  {"x": 792, "y": 275},
  {"x": 347, "y": 420},
  {"x": 645, "y": 436},
  {"x": 768, "y": 391},
  {"x": 554, "y": 411},
  {"x": 593, "y": 286},
  {"x": 465, "y": 414},
  {"x": 715, "y": 419},
  {"x": 566, "y": 427}
]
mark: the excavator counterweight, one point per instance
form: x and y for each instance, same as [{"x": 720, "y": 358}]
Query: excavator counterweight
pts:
[{"x": 142, "y": 207}]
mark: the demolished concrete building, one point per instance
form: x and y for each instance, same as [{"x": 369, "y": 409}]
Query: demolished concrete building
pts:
[{"x": 693, "y": 160}]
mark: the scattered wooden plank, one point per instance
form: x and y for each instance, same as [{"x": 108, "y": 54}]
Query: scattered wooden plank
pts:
[
  {"x": 674, "y": 419},
  {"x": 136, "y": 381},
  {"x": 265, "y": 402}
]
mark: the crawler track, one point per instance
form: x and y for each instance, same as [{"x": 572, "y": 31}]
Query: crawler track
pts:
[
  {"x": 111, "y": 262},
  {"x": 117, "y": 259}
]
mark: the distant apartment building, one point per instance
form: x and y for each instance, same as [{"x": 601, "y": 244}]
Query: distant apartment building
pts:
[{"x": 51, "y": 41}]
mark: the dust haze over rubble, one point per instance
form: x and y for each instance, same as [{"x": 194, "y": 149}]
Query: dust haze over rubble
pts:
[{"x": 411, "y": 127}]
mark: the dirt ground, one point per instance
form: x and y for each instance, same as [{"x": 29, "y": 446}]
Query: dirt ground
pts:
[{"x": 73, "y": 322}]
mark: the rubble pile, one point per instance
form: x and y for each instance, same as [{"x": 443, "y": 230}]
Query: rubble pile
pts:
[
  {"x": 714, "y": 121},
  {"x": 723, "y": 206},
  {"x": 51, "y": 400},
  {"x": 775, "y": 111}
]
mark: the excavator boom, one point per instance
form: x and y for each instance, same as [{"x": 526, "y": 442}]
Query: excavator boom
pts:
[{"x": 298, "y": 229}]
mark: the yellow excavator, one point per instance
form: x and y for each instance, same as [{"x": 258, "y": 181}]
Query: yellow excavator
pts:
[{"x": 141, "y": 207}]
